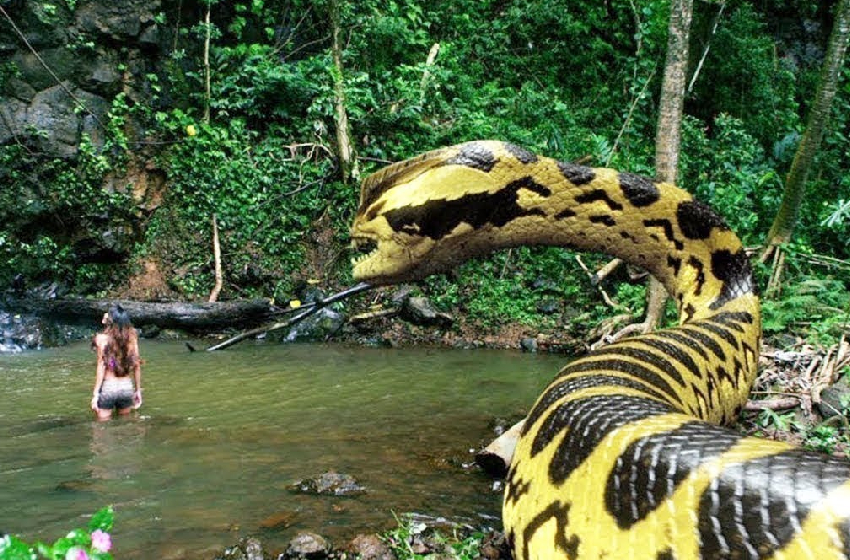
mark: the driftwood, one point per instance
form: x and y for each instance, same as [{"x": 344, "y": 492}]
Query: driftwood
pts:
[
  {"x": 495, "y": 459},
  {"x": 303, "y": 312},
  {"x": 200, "y": 316}
]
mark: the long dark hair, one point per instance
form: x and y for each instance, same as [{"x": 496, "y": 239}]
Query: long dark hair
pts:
[{"x": 120, "y": 353}]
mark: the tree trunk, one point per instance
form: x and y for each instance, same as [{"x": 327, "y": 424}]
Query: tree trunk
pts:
[
  {"x": 795, "y": 182},
  {"x": 667, "y": 141},
  {"x": 207, "y": 81},
  {"x": 426, "y": 74},
  {"x": 669, "y": 131},
  {"x": 347, "y": 158}
]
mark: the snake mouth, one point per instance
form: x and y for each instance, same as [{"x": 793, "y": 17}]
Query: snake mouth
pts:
[{"x": 364, "y": 247}]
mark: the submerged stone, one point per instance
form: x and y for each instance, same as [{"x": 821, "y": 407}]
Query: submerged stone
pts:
[{"x": 329, "y": 483}]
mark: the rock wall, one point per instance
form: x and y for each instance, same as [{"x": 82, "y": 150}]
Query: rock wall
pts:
[
  {"x": 69, "y": 67},
  {"x": 62, "y": 65}
]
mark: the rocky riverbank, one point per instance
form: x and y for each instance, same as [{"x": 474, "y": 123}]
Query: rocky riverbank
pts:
[{"x": 415, "y": 538}]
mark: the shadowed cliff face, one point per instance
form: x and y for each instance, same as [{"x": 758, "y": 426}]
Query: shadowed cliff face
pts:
[
  {"x": 61, "y": 71},
  {"x": 93, "y": 53}
]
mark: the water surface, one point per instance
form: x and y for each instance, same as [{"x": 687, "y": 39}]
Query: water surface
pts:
[{"x": 221, "y": 435}]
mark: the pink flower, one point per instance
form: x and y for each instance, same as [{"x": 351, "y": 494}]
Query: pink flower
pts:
[
  {"x": 76, "y": 553},
  {"x": 100, "y": 541}
]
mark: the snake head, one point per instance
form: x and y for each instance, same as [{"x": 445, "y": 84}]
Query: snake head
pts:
[{"x": 418, "y": 217}]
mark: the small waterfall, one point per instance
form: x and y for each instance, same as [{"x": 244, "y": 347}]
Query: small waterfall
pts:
[{"x": 19, "y": 333}]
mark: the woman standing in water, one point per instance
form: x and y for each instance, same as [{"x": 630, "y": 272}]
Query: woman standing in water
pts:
[{"x": 117, "y": 357}]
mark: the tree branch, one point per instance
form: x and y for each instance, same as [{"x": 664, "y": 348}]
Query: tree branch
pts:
[{"x": 307, "y": 310}]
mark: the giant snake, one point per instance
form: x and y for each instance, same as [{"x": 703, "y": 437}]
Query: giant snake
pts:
[{"x": 624, "y": 455}]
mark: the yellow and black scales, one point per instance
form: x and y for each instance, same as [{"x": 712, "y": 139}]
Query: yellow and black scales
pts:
[{"x": 622, "y": 456}]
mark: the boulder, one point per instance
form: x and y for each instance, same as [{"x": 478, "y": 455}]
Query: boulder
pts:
[
  {"x": 308, "y": 546},
  {"x": 370, "y": 547},
  {"x": 835, "y": 399},
  {"x": 528, "y": 344},
  {"x": 53, "y": 113},
  {"x": 20, "y": 332},
  {"x": 420, "y": 311},
  {"x": 59, "y": 59}
]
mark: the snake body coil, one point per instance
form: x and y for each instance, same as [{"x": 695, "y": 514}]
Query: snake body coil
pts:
[{"x": 623, "y": 455}]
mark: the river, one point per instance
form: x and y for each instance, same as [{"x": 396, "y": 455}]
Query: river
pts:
[{"x": 221, "y": 436}]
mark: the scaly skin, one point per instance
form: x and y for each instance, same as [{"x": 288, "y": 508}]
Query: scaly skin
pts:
[{"x": 623, "y": 455}]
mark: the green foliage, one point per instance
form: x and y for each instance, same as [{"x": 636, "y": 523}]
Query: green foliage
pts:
[
  {"x": 92, "y": 543},
  {"x": 822, "y": 437},
  {"x": 510, "y": 285},
  {"x": 744, "y": 77},
  {"x": 401, "y": 541},
  {"x": 726, "y": 167},
  {"x": 56, "y": 197},
  {"x": 825, "y": 438},
  {"x": 264, "y": 192},
  {"x": 818, "y": 307},
  {"x": 783, "y": 421}
]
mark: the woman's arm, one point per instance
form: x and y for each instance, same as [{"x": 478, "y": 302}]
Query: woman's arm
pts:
[
  {"x": 99, "y": 372},
  {"x": 137, "y": 374}
]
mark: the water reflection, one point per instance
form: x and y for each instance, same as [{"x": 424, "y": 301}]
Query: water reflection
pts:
[{"x": 116, "y": 448}]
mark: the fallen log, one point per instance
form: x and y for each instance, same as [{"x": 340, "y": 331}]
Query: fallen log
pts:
[{"x": 190, "y": 316}]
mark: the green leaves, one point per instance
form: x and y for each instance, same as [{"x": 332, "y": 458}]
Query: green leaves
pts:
[
  {"x": 93, "y": 543},
  {"x": 102, "y": 520}
]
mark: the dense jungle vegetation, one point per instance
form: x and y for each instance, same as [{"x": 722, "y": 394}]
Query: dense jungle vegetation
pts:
[{"x": 573, "y": 79}]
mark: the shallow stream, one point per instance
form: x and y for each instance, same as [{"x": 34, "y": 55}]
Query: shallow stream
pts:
[{"x": 222, "y": 435}]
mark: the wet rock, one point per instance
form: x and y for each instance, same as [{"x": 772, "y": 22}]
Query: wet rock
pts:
[
  {"x": 401, "y": 294},
  {"x": 329, "y": 483},
  {"x": 36, "y": 76},
  {"x": 370, "y": 547},
  {"x": 309, "y": 546},
  {"x": 528, "y": 344},
  {"x": 119, "y": 20},
  {"x": 420, "y": 311},
  {"x": 318, "y": 327},
  {"x": 308, "y": 291},
  {"x": 249, "y": 548},
  {"x": 835, "y": 399}
]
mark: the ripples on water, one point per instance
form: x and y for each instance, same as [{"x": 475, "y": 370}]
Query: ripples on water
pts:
[{"x": 221, "y": 435}]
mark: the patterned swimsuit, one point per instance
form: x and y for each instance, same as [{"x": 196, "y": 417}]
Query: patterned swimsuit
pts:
[{"x": 115, "y": 392}]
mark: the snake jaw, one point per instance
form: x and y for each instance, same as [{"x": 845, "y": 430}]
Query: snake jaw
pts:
[
  {"x": 384, "y": 261},
  {"x": 385, "y": 256},
  {"x": 365, "y": 247}
]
